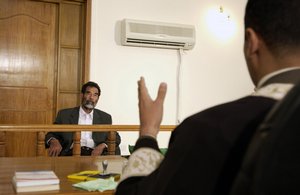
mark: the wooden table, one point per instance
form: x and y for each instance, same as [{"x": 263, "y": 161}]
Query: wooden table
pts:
[{"x": 62, "y": 166}]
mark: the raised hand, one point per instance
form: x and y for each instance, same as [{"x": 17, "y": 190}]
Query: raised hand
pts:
[{"x": 151, "y": 111}]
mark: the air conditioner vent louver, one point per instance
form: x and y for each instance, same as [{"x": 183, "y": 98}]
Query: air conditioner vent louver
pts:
[
  {"x": 156, "y": 43},
  {"x": 157, "y": 34}
]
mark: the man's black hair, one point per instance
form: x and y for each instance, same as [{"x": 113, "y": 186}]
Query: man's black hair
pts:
[
  {"x": 276, "y": 21},
  {"x": 90, "y": 84}
]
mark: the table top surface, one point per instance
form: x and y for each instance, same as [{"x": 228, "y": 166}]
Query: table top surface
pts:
[{"x": 62, "y": 166}]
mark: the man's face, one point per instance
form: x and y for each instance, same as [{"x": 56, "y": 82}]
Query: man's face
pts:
[{"x": 90, "y": 98}]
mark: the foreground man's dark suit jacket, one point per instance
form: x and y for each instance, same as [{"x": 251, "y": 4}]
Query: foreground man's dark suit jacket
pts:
[
  {"x": 206, "y": 149},
  {"x": 71, "y": 116}
]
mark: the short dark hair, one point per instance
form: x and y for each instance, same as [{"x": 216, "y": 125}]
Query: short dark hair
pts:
[
  {"x": 90, "y": 84},
  {"x": 276, "y": 21}
]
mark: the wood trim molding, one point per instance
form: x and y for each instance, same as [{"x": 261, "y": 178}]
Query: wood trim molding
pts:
[
  {"x": 72, "y": 128},
  {"x": 41, "y": 130},
  {"x": 88, "y": 20}
]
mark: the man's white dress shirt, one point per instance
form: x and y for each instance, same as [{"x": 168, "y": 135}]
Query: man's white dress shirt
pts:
[{"x": 86, "y": 136}]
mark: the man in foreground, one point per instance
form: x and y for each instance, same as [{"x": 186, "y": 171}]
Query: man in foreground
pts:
[
  {"x": 92, "y": 143},
  {"x": 206, "y": 149}
]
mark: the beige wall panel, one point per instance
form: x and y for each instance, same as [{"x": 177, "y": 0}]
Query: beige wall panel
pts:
[
  {"x": 69, "y": 74},
  {"x": 71, "y": 25},
  {"x": 68, "y": 100}
]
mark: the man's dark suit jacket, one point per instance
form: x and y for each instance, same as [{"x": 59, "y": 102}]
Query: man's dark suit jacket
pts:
[
  {"x": 71, "y": 116},
  {"x": 205, "y": 150}
]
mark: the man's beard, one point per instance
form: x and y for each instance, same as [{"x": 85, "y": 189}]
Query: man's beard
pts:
[{"x": 89, "y": 105}]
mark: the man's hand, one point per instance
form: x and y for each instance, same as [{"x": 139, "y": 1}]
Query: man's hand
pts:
[
  {"x": 98, "y": 149},
  {"x": 55, "y": 148},
  {"x": 151, "y": 112}
]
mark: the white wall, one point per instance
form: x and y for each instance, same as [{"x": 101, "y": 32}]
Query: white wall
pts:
[{"x": 212, "y": 73}]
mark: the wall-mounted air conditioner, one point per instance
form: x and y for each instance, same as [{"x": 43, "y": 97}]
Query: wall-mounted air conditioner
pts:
[{"x": 157, "y": 34}]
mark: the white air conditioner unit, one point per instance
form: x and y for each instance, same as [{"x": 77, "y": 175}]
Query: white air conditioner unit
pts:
[{"x": 157, "y": 34}]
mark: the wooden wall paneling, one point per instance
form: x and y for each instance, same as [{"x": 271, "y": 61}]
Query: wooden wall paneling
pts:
[
  {"x": 71, "y": 54},
  {"x": 21, "y": 144},
  {"x": 87, "y": 43},
  {"x": 68, "y": 100},
  {"x": 70, "y": 75},
  {"x": 71, "y": 24},
  {"x": 2, "y": 143},
  {"x": 22, "y": 98},
  {"x": 42, "y": 51},
  {"x": 27, "y": 57},
  {"x": 27, "y": 61},
  {"x": 9, "y": 117}
]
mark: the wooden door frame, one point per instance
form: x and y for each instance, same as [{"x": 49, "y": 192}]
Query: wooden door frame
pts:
[{"x": 86, "y": 71}]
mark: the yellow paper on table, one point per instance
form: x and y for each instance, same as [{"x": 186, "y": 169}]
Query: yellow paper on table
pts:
[
  {"x": 84, "y": 175},
  {"x": 92, "y": 175}
]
